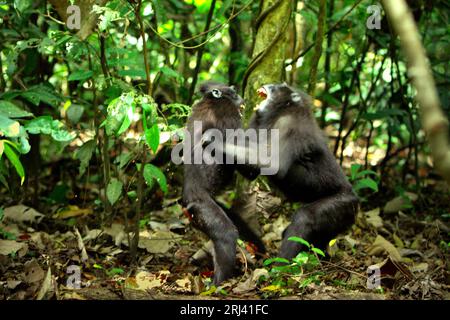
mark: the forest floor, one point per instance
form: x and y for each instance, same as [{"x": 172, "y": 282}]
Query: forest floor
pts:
[{"x": 62, "y": 253}]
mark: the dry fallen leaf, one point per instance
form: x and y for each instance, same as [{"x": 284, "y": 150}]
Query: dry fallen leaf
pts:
[
  {"x": 117, "y": 231},
  {"x": 10, "y": 247},
  {"x": 21, "y": 213},
  {"x": 147, "y": 280},
  {"x": 47, "y": 288},
  {"x": 156, "y": 242},
  {"x": 33, "y": 271},
  {"x": 185, "y": 284},
  {"x": 381, "y": 245},
  {"x": 398, "y": 203},
  {"x": 373, "y": 218}
]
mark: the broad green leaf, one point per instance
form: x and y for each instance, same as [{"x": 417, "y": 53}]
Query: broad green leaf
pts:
[
  {"x": 80, "y": 75},
  {"x": 300, "y": 240},
  {"x": 8, "y": 127},
  {"x": 84, "y": 154},
  {"x": 62, "y": 135},
  {"x": 22, "y": 5},
  {"x": 46, "y": 125},
  {"x": 42, "y": 93},
  {"x": 152, "y": 135},
  {"x": 318, "y": 251},
  {"x": 301, "y": 258},
  {"x": 120, "y": 113},
  {"x": 276, "y": 259},
  {"x": 10, "y": 110},
  {"x": 40, "y": 125},
  {"x": 366, "y": 183},
  {"x": 354, "y": 170},
  {"x": 114, "y": 190},
  {"x": 12, "y": 156},
  {"x": 125, "y": 125},
  {"x": 152, "y": 173},
  {"x": 23, "y": 144},
  {"x": 171, "y": 73},
  {"x": 75, "y": 112},
  {"x": 365, "y": 173}
]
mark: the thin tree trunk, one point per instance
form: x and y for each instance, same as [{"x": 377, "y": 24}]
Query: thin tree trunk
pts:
[{"x": 434, "y": 122}]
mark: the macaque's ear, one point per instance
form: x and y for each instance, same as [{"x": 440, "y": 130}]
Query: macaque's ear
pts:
[
  {"x": 207, "y": 88},
  {"x": 204, "y": 88},
  {"x": 296, "y": 97},
  {"x": 216, "y": 93},
  {"x": 233, "y": 88}
]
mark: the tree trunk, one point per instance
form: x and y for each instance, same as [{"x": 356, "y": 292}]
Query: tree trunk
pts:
[{"x": 434, "y": 122}]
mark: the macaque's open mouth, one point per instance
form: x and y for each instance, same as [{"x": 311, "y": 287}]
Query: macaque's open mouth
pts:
[{"x": 262, "y": 93}]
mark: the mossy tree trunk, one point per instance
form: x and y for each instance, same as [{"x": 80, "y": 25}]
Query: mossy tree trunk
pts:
[
  {"x": 267, "y": 66},
  {"x": 269, "y": 51}
]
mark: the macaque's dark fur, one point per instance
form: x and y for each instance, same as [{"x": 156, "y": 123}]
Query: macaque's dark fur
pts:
[
  {"x": 202, "y": 182},
  {"x": 308, "y": 170}
]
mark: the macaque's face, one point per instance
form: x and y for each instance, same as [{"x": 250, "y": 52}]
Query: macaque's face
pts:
[
  {"x": 275, "y": 96},
  {"x": 221, "y": 93}
]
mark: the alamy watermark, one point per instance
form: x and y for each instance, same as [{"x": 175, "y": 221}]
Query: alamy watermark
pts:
[
  {"x": 73, "y": 17},
  {"x": 374, "y": 21},
  {"x": 259, "y": 147},
  {"x": 373, "y": 277},
  {"x": 74, "y": 277}
]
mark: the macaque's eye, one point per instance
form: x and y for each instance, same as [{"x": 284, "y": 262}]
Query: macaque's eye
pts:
[
  {"x": 296, "y": 97},
  {"x": 216, "y": 93}
]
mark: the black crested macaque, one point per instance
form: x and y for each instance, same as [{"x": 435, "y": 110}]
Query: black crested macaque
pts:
[
  {"x": 219, "y": 109},
  {"x": 308, "y": 171}
]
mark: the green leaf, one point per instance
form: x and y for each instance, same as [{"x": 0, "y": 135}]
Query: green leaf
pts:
[
  {"x": 22, "y": 5},
  {"x": 366, "y": 183},
  {"x": 152, "y": 173},
  {"x": 152, "y": 135},
  {"x": 171, "y": 73},
  {"x": 42, "y": 93},
  {"x": 120, "y": 113},
  {"x": 40, "y": 125},
  {"x": 354, "y": 170},
  {"x": 10, "y": 110},
  {"x": 84, "y": 154},
  {"x": 276, "y": 259},
  {"x": 46, "y": 125},
  {"x": 318, "y": 251},
  {"x": 365, "y": 173},
  {"x": 300, "y": 240},
  {"x": 81, "y": 75},
  {"x": 75, "y": 112},
  {"x": 62, "y": 135},
  {"x": 301, "y": 258},
  {"x": 12, "y": 156},
  {"x": 8, "y": 127},
  {"x": 125, "y": 125},
  {"x": 114, "y": 190}
]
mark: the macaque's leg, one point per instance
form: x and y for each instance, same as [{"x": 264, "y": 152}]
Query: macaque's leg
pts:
[
  {"x": 319, "y": 222},
  {"x": 244, "y": 230},
  {"x": 212, "y": 220}
]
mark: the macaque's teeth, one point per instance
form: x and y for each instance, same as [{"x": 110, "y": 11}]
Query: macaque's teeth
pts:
[{"x": 262, "y": 92}]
